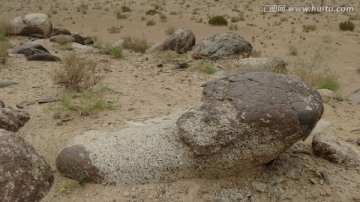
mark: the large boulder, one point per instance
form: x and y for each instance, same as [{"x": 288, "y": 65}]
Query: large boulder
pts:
[
  {"x": 24, "y": 174},
  {"x": 180, "y": 41},
  {"x": 335, "y": 150},
  {"x": 32, "y": 23},
  {"x": 241, "y": 122},
  {"x": 12, "y": 119},
  {"x": 222, "y": 46},
  {"x": 250, "y": 119}
]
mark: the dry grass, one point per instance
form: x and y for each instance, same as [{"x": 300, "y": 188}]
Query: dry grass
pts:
[
  {"x": 309, "y": 28},
  {"x": 77, "y": 74},
  {"x": 170, "y": 30},
  {"x": 150, "y": 23},
  {"x": 4, "y": 46},
  {"x": 5, "y": 26},
  {"x": 135, "y": 44}
]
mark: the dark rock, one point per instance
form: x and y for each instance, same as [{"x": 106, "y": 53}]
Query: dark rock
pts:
[
  {"x": 180, "y": 41},
  {"x": 263, "y": 113},
  {"x": 183, "y": 65},
  {"x": 24, "y": 174},
  {"x": 2, "y": 105},
  {"x": 79, "y": 39},
  {"x": 4, "y": 84},
  {"x": 37, "y": 36},
  {"x": 358, "y": 142},
  {"x": 82, "y": 169},
  {"x": 24, "y": 49},
  {"x": 13, "y": 119},
  {"x": 48, "y": 100},
  {"x": 335, "y": 150},
  {"x": 32, "y": 23},
  {"x": 222, "y": 46},
  {"x": 355, "y": 96},
  {"x": 43, "y": 57}
]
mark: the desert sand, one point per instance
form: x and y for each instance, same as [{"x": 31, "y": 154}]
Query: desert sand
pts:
[{"x": 143, "y": 90}]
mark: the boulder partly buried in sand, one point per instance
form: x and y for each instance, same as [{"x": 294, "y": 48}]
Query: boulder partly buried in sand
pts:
[
  {"x": 32, "y": 23},
  {"x": 24, "y": 174},
  {"x": 241, "y": 122},
  {"x": 222, "y": 46},
  {"x": 335, "y": 150}
]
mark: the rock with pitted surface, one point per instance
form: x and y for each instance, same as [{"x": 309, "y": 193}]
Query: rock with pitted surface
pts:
[
  {"x": 222, "y": 46},
  {"x": 335, "y": 150},
  {"x": 250, "y": 119},
  {"x": 26, "y": 49},
  {"x": 12, "y": 119},
  {"x": 180, "y": 41},
  {"x": 32, "y": 23},
  {"x": 24, "y": 174}
]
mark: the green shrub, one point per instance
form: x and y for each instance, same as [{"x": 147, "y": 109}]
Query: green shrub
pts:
[
  {"x": 170, "y": 56},
  {"x": 65, "y": 47},
  {"x": 114, "y": 29},
  {"x": 135, "y": 44},
  {"x": 218, "y": 21},
  {"x": 152, "y": 12},
  {"x": 204, "y": 66},
  {"x": 329, "y": 82},
  {"x": 3, "y": 38},
  {"x": 116, "y": 51},
  {"x": 4, "y": 46},
  {"x": 347, "y": 25}
]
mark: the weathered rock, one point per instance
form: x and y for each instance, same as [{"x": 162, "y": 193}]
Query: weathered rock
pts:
[
  {"x": 42, "y": 57},
  {"x": 250, "y": 119},
  {"x": 4, "y": 84},
  {"x": 335, "y": 150},
  {"x": 62, "y": 39},
  {"x": 37, "y": 36},
  {"x": 24, "y": 174},
  {"x": 32, "y": 23},
  {"x": 48, "y": 100},
  {"x": 355, "y": 96},
  {"x": 79, "y": 39},
  {"x": 180, "y": 41},
  {"x": 24, "y": 49},
  {"x": 12, "y": 119},
  {"x": 222, "y": 46},
  {"x": 281, "y": 111},
  {"x": 244, "y": 65}
]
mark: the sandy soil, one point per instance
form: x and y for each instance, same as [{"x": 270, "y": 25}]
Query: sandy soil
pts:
[{"x": 143, "y": 90}]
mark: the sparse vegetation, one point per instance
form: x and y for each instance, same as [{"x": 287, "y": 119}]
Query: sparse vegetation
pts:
[
  {"x": 65, "y": 47},
  {"x": 233, "y": 27},
  {"x": 90, "y": 100},
  {"x": 218, "y": 21},
  {"x": 83, "y": 8},
  {"x": 66, "y": 187},
  {"x": 293, "y": 50},
  {"x": 204, "y": 66},
  {"x": 150, "y": 23},
  {"x": 120, "y": 15},
  {"x": 4, "y": 46},
  {"x": 347, "y": 25},
  {"x": 114, "y": 29},
  {"x": 315, "y": 71},
  {"x": 77, "y": 73},
  {"x": 135, "y": 44},
  {"x": 309, "y": 28},
  {"x": 169, "y": 30},
  {"x": 116, "y": 51},
  {"x": 152, "y": 12},
  {"x": 5, "y": 26},
  {"x": 125, "y": 9},
  {"x": 170, "y": 56}
]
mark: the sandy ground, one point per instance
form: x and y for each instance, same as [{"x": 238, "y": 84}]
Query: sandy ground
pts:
[{"x": 143, "y": 90}]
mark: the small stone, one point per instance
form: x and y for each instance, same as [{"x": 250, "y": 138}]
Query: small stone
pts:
[
  {"x": 358, "y": 142},
  {"x": 4, "y": 84},
  {"x": 56, "y": 115},
  {"x": 312, "y": 181},
  {"x": 59, "y": 123},
  {"x": 48, "y": 100},
  {"x": 260, "y": 187}
]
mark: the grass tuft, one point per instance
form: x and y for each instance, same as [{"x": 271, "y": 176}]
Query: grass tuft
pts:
[
  {"x": 135, "y": 44},
  {"x": 347, "y": 25}
]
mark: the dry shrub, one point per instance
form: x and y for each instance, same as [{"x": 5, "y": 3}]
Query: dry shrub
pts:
[
  {"x": 150, "y": 23},
  {"x": 5, "y": 26},
  {"x": 135, "y": 44},
  {"x": 170, "y": 30},
  {"x": 309, "y": 28},
  {"x": 77, "y": 73}
]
